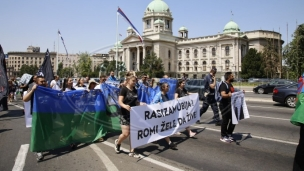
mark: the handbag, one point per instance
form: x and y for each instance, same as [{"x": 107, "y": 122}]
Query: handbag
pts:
[{"x": 112, "y": 110}]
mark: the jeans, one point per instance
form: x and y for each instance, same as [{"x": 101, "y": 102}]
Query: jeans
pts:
[
  {"x": 227, "y": 127},
  {"x": 210, "y": 100},
  {"x": 298, "y": 163}
]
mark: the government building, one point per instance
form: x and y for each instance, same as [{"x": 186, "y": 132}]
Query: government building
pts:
[{"x": 193, "y": 56}]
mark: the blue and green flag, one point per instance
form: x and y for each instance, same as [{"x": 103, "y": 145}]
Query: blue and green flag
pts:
[{"x": 298, "y": 116}]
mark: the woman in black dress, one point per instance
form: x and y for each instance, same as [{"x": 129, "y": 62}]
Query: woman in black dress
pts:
[{"x": 127, "y": 99}]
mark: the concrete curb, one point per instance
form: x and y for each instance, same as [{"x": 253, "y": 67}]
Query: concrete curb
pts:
[{"x": 258, "y": 100}]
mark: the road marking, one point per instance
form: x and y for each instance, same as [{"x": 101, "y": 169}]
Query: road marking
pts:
[
  {"x": 269, "y": 117},
  {"x": 104, "y": 158},
  {"x": 272, "y": 107},
  {"x": 146, "y": 158},
  {"x": 253, "y": 136},
  {"x": 20, "y": 160}
]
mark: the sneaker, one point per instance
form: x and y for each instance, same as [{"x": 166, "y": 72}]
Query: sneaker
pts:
[
  {"x": 172, "y": 146},
  {"x": 117, "y": 146},
  {"x": 225, "y": 139},
  {"x": 39, "y": 156},
  {"x": 133, "y": 154},
  {"x": 231, "y": 138}
]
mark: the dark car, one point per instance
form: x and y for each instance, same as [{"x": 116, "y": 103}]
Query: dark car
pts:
[
  {"x": 286, "y": 94},
  {"x": 196, "y": 86},
  {"x": 268, "y": 88}
]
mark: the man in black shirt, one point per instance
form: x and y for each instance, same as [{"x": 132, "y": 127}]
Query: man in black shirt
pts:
[
  {"x": 226, "y": 89},
  {"x": 210, "y": 97}
]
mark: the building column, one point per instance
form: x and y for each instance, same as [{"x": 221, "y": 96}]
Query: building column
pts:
[
  {"x": 138, "y": 58},
  {"x": 128, "y": 63},
  {"x": 144, "y": 53}
]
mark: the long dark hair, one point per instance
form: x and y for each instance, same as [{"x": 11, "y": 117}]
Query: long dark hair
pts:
[{"x": 65, "y": 82}]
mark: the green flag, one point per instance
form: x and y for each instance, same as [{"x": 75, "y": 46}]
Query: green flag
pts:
[{"x": 298, "y": 116}]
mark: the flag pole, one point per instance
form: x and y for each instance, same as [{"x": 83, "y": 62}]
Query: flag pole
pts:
[
  {"x": 116, "y": 43},
  {"x": 57, "y": 54}
]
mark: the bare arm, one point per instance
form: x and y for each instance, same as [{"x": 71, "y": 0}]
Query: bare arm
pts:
[
  {"x": 225, "y": 95},
  {"x": 29, "y": 94},
  {"x": 175, "y": 96}
]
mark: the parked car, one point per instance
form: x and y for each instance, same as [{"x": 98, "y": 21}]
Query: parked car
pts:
[
  {"x": 286, "y": 94},
  {"x": 196, "y": 86},
  {"x": 268, "y": 88},
  {"x": 254, "y": 80}
]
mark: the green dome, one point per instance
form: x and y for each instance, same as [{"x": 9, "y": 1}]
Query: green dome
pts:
[
  {"x": 119, "y": 44},
  {"x": 158, "y": 6},
  {"x": 231, "y": 27},
  {"x": 159, "y": 22},
  {"x": 183, "y": 29}
]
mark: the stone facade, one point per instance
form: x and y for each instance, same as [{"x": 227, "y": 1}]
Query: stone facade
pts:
[{"x": 192, "y": 56}]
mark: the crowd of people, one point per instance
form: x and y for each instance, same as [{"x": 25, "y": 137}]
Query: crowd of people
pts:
[{"x": 128, "y": 98}]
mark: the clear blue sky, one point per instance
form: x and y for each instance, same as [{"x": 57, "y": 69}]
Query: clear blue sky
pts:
[{"x": 90, "y": 24}]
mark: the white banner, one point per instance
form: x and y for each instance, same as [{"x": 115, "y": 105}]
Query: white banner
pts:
[
  {"x": 239, "y": 108},
  {"x": 113, "y": 83},
  {"x": 153, "y": 122},
  {"x": 27, "y": 112}
]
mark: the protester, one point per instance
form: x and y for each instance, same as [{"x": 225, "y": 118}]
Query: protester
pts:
[
  {"x": 87, "y": 79},
  {"x": 127, "y": 99},
  {"x": 165, "y": 76},
  {"x": 15, "y": 84},
  {"x": 32, "y": 82},
  {"x": 143, "y": 80},
  {"x": 102, "y": 80},
  {"x": 112, "y": 77},
  {"x": 55, "y": 85},
  {"x": 184, "y": 77},
  {"x": 11, "y": 90},
  {"x": 226, "y": 89},
  {"x": 128, "y": 74},
  {"x": 210, "y": 97},
  {"x": 92, "y": 84},
  {"x": 181, "y": 92},
  {"x": 80, "y": 83},
  {"x": 68, "y": 84},
  {"x": 23, "y": 87},
  {"x": 39, "y": 81},
  {"x": 161, "y": 97}
]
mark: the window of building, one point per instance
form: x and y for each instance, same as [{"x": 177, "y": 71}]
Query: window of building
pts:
[
  {"x": 169, "y": 66},
  {"x": 195, "y": 53},
  {"x": 167, "y": 24},
  {"x": 180, "y": 54},
  {"x": 187, "y": 68},
  {"x": 194, "y": 76},
  {"x": 148, "y": 24},
  {"x": 213, "y": 52},
  {"x": 213, "y": 63},
  {"x": 169, "y": 53},
  {"x": 187, "y": 53},
  {"x": 195, "y": 63},
  {"x": 133, "y": 55},
  {"x": 26, "y": 58},
  {"x": 195, "y": 68},
  {"x": 204, "y": 65},
  {"x": 227, "y": 64},
  {"x": 187, "y": 63},
  {"x": 227, "y": 51}
]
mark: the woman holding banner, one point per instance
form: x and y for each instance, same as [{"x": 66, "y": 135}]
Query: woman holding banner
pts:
[
  {"x": 160, "y": 97},
  {"x": 127, "y": 99},
  {"x": 181, "y": 92}
]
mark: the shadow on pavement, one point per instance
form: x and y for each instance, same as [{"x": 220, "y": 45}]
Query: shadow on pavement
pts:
[
  {"x": 240, "y": 137},
  {"x": 3, "y": 130}
]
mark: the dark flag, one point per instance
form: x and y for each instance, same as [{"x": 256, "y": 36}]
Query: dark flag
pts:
[
  {"x": 46, "y": 68},
  {"x": 3, "y": 81}
]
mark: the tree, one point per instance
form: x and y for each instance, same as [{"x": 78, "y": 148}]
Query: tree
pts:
[
  {"x": 293, "y": 54},
  {"x": 32, "y": 69},
  {"x": 107, "y": 66},
  {"x": 60, "y": 69},
  {"x": 271, "y": 59},
  {"x": 84, "y": 64},
  {"x": 252, "y": 65},
  {"x": 152, "y": 66},
  {"x": 67, "y": 72}
]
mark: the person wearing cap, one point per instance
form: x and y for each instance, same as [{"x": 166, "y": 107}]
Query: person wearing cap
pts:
[
  {"x": 92, "y": 84},
  {"x": 210, "y": 97}
]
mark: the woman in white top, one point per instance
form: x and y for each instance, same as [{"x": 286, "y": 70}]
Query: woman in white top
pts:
[{"x": 68, "y": 84}]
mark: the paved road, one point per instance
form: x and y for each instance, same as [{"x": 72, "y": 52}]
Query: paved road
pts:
[{"x": 266, "y": 141}]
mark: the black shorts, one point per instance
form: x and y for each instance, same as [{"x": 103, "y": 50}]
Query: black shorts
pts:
[{"x": 125, "y": 120}]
